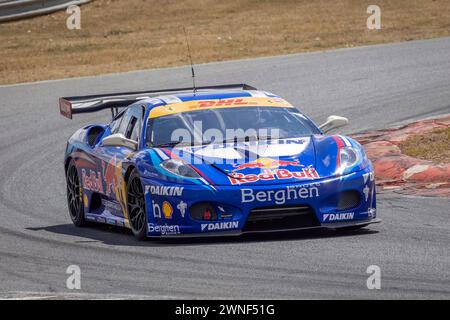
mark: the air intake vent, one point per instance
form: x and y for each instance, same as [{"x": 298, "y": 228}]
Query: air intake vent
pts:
[
  {"x": 348, "y": 200},
  {"x": 280, "y": 218}
]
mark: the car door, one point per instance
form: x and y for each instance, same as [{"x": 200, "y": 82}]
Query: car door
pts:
[{"x": 110, "y": 159}]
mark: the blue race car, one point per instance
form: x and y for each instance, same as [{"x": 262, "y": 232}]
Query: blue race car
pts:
[{"x": 218, "y": 160}]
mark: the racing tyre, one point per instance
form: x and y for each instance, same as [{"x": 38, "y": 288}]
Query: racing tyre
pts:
[
  {"x": 75, "y": 196},
  {"x": 136, "y": 206}
]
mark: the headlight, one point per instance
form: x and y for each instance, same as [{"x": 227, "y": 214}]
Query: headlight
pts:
[
  {"x": 180, "y": 168},
  {"x": 349, "y": 157}
]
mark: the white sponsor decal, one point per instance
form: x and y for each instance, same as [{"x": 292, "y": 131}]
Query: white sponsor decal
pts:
[
  {"x": 101, "y": 219},
  {"x": 91, "y": 218},
  {"x": 220, "y": 226},
  {"x": 366, "y": 191},
  {"x": 338, "y": 216},
  {"x": 182, "y": 207},
  {"x": 368, "y": 176},
  {"x": 156, "y": 210},
  {"x": 112, "y": 206},
  {"x": 165, "y": 191},
  {"x": 232, "y": 152},
  {"x": 280, "y": 196},
  {"x": 164, "y": 229},
  {"x": 287, "y": 147}
]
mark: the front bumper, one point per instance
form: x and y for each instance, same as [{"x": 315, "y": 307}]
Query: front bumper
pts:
[{"x": 168, "y": 206}]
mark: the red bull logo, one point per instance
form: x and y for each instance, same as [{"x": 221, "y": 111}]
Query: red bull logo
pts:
[
  {"x": 279, "y": 174},
  {"x": 266, "y": 163},
  {"x": 92, "y": 181},
  {"x": 109, "y": 176}
]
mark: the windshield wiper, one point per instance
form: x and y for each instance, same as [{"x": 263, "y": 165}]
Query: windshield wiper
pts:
[
  {"x": 169, "y": 144},
  {"x": 172, "y": 144},
  {"x": 266, "y": 138},
  {"x": 248, "y": 139},
  {"x": 234, "y": 140}
]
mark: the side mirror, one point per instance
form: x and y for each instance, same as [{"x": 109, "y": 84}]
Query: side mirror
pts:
[
  {"x": 119, "y": 140},
  {"x": 333, "y": 122}
]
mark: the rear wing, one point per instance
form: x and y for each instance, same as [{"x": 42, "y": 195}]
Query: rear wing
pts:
[{"x": 68, "y": 106}]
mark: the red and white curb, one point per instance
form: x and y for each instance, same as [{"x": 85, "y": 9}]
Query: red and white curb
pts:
[{"x": 397, "y": 172}]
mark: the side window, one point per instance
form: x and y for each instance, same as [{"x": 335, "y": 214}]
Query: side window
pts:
[
  {"x": 130, "y": 125},
  {"x": 114, "y": 125},
  {"x": 133, "y": 129},
  {"x": 125, "y": 122}
]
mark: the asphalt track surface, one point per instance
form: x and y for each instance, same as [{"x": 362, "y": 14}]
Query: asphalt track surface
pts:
[{"x": 375, "y": 87}]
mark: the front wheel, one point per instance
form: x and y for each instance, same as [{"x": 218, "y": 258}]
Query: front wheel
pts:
[
  {"x": 137, "y": 212},
  {"x": 75, "y": 196}
]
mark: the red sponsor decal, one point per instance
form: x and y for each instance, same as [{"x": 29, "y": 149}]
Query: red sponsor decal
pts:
[
  {"x": 109, "y": 176},
  {"x": 340, "y": 145},
  {"x": 221, "y": 102},
  {"x": 266, "y": 163},
  {"x": 279, "y": 174}
]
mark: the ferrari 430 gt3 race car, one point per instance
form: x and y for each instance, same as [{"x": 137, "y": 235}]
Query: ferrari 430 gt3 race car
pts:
[{"x": 218, "y": 160}]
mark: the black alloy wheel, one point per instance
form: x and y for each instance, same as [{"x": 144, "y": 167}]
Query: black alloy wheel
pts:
[
  {"x": 75, "y": 196},
  {"x": 136, "y": 206}
]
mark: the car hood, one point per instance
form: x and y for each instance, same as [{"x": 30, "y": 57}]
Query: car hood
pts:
[
  {"x": 302, "y": 159},
  {"x": 257, "y": 162}
]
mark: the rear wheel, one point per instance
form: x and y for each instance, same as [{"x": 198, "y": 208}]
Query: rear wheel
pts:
[
  {"x": 137, "y": 212},
  {"x": 75, "y": 196}
]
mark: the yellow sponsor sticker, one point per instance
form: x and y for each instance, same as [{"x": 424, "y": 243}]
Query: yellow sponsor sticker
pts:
[
  {"x": 217, "y": 104},
  {"x": 167, "y": 210}
]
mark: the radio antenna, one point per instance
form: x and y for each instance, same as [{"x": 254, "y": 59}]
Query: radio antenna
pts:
[{"x": 190, "y": 60}]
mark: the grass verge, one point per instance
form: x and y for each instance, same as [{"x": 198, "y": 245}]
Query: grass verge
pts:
[{"x": 118, "y": 35}]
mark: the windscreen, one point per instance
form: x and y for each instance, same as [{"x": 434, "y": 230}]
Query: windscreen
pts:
[{"x": 228, "y": 125}]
